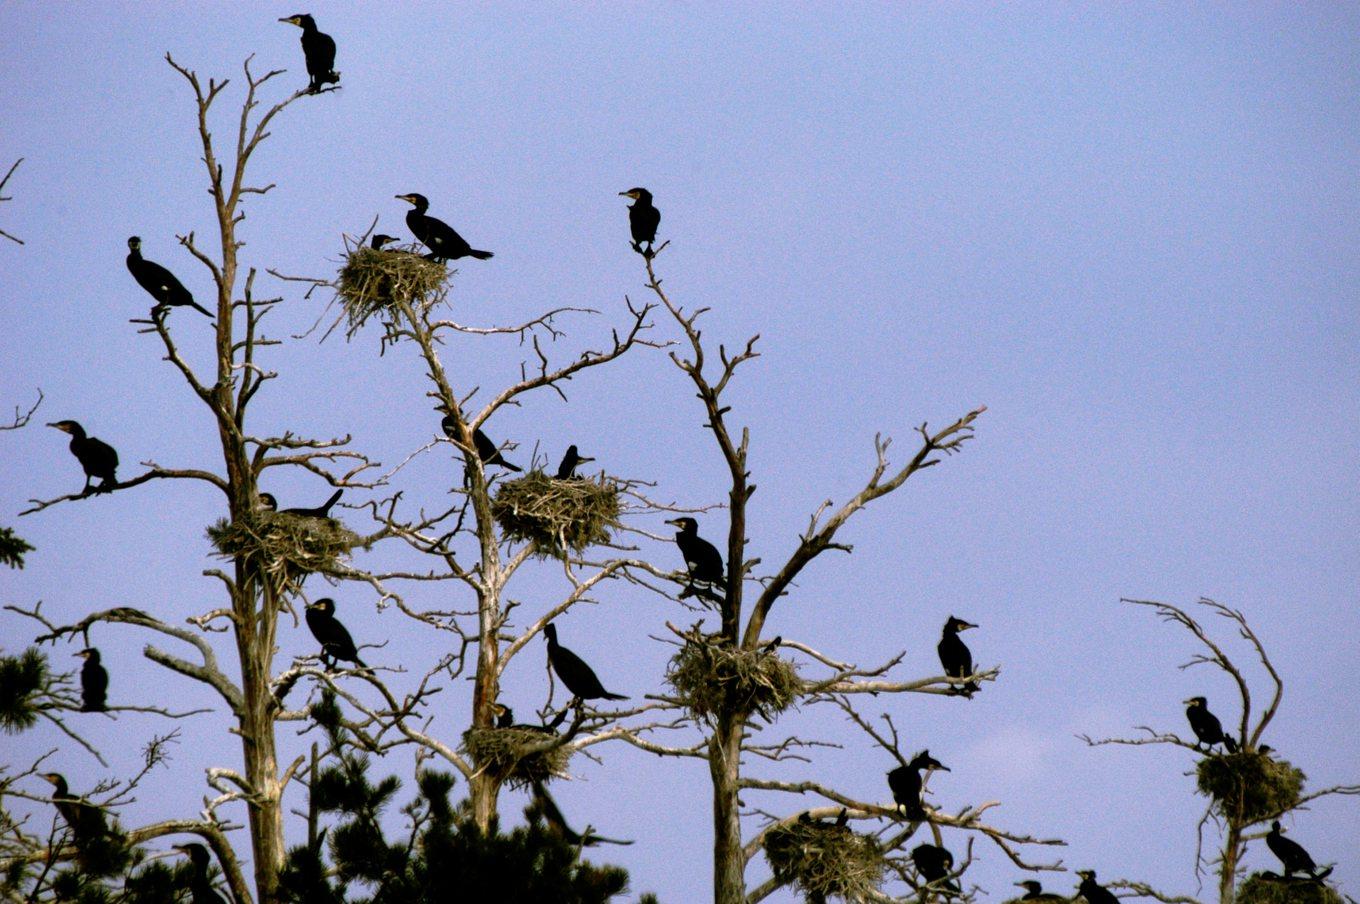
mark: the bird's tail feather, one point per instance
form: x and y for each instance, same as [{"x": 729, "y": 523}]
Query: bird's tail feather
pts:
[{"x": 481, "y": 256}]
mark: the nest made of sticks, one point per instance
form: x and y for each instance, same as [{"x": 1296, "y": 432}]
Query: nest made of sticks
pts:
[
  {"x": 282, "y": 547},
  {"x": 373, "y": 279},
  {"x": 1249, "y": 786},
  {"x": 710, "y": 677},
  {"x": 825, "y": 859},
  {"x": 557, "y": 515},
  {"x": 501, "y": 753},
  {"x": 1270, "y": 888}
]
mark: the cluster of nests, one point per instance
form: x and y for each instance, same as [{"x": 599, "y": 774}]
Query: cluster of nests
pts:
[
  {"x": 558, "y": 516},
  {"x": 282, "y": 547},
  {"x": 825, "y": 859},
  {"x": 710, "y": 676},
  {"x": 373, "y": 280}
]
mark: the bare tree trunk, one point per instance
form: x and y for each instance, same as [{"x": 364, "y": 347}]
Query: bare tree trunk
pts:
[
  {"x": 724, "y": 766},
  {"x": 1227, "y": 869}
]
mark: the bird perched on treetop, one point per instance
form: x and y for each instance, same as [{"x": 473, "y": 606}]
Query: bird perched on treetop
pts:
[
  {"x": 575, "y": 674},
  {"x": 336, "y": 644},
  {"x": 1093, "y": 892},
  {"x": 268, "y": 502},
  {"x": 487, "y": 451},
  {"x": 1208, "y": 730},
  {"x": 200, "y": 887},
  {"x": 707, "y": 577},
  {"x": 438, "y": 236},
  {"x": 159, "y": 282},
  {"x": 1292, "y": 855},
  {"x": 643, "y": 218},
  {"x": 94, "y": 682},
  {"x": 319, "y": 49},
  {"x": 955, "y": 656},
  {"x": 933, "y": 863},
  {"x": 567, "y": 469},
  {"x": 96, "y": 456},
  {"x": 85, "y": 820},
  {"x": 906, "y": 784}
]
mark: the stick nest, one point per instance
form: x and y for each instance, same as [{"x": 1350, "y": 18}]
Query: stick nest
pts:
[
  {"x": 825, "y": 860},
  {"x": 1249, "y": 786},
  {"x": 281, "y": 547},
  {"x": 711, "y": 677},
  {"x": 1270, "y": 888},
  {"x": 502, "y": 753},
  {"x": 373, "y": 280},
  {"x": 557, "y": 515}
]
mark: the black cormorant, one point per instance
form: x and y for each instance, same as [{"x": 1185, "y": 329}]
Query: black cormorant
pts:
[
  {"x": 955, "y": 656},
  {"x": 643, "y": 218},
  {"x": 267, "y": 501},
  {"x": 487, "y": 451},
  {"x": 438, "y": 236},
  {"x": 933, "y": 863},
  {"x": 1292, "y": 855},
  {"x": 319, "y": 48},
  {"x": 85, "y": 820},
  {"x": 1035, "y": 892},
  {"x": 159, "y": 282},
  {"x": 336, "y": 644},
  {"x": 200, "y": 887},
  {"x": 94, "y": 682},
  {"x": 906, "y": 784},
  {"x": 572, "y": 669},
  {"x": 707, "y": 577},
  {"x": 544, "y": 804},
  {"x": 505, "y": 718},
  {"x": 379, "y": 240},
  {"x": 95, "y": 456},
  {"x": 567, "y": 469},
  {"x": 1093, "y": 892},
  {"x": 1208, "y": 730}
]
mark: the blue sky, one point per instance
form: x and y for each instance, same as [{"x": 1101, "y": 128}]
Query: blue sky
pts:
[{"x": 1129, "y": 231}]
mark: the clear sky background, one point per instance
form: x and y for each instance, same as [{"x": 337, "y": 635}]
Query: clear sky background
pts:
[{"x": 1131, "y": 232}]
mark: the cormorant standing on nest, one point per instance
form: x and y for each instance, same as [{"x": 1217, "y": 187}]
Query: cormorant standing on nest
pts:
[
  {"x": 336, "y": 644},
  {"x": 1093, "y": 892},
  {"x": 159, "y": 282},
  {"x": 319, "y": 49},
  {"x": 575, "y": 674},
  {"x": 643, "y": 219},
  {"x": 505, "y": 718},
  {"x": 438, "y": 236},
  {"x": 567, "y": 469},
  {"x": 85, "y": 820},
  {"x": 94, "y": 682},
  {"x": 379, "y": 240},
  {"x": 955, "y": 656},
  {"x": 906, "y": 784},
  {"x": 1035, "y": 892},
  {"x": 545, "y": 805},
  {"x": 95, "y": 456},
  {"x": 933, "y": 863},
  {"x": 707, "y": 577},
  {"x": 267, "y": 501},
  {"x": 200, "y": 888},
  {"x": 1292, "y": 855},
  {"x": 487, "y": 451},
  {"x": 1208, "y": 730}
]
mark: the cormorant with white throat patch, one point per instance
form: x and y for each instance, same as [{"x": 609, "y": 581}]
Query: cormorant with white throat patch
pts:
[
  {"x": 438, "y": 236},
  {"x": 319, "y": 49}
]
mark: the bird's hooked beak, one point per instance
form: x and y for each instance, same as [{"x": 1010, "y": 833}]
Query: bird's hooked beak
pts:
[
  {"x": 628, "y": 194},
  {"x": 1190, "y": 702},
  {"x": 82, "y": 654},
  {"x": 674, "y": 521},
  {"x": 407, "y": 198},
  {"x": 313, "y": 606},
  {"x": 581, "y": 459},
  {"x": 966, "y": 625},
  {"x": 291, "y": 20},
  {"x": 61, "y": 426}
]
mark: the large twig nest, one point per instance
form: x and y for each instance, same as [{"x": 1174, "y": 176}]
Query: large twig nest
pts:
[
  {"x": 1271, "y": 888},
  {"x": 283, "y": 548},
  {"x": 1249, "y": 786},
  {"x": 557, "y": 515},
  {"x": 372, "y": 280},
  {"x": 711, "y": 677},
  {"x": 825, "y": 860},
  {"x": 503, "y": 754}
]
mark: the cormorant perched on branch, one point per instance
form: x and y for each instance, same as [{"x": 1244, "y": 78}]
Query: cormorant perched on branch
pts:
[
  {"x": 200, "y": 887},
  {"x": 438, "y": 236},
  {"x": 319, "y": 49},
  {"x": 906, "y": 784},
  {"x": 85, "y": 820},
  {"x": 1093, "y": 892},
  {"x": 933, "y": 863},
  {"x": 567, "y": 469},
  {"x": 643, "y": 219},
  {"x": 95, "y": 456},
  {"x": 955, "y": 656},
  {"x": 1035, "y": 892},
  {"x": 707, "y": 577},
  {"x": 487, "y": 451},
  {"x": 267, "y": 501},
  {"x": 545, "y": 805},
  {"x": 1208, "y": 730},
  {"x": 159, "y": 282},
  {"x": 1292, "y": 855},
  {"x": 94, "y": 682},
  {"x": 336, "y": 644},
  {"x": 379, "y": 240},
  {"x": 575, "y": 674}
]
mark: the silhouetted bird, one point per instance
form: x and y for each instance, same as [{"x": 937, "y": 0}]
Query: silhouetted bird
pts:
[
  {"x": 1035, "y": 892},
  {"x": 906, "y": 784},
  {"x": 505, "y": 718},
  {"x": 643, "y": 218},
  {"x": 544, "y": 805},
  {"x": 1208, "y": 730},
  {"x": 572, "y": 669},
  {"x": 319, "y": 49},
  {"x": 438, "y": 236},
  {"x": 487, "y": 451},
  {"x": 85, "y": 820},
  {"x": 200, "y": 886},
  {"x": 267, "y": 501},
  {"x": 159, "y": 282},
  {"x": 1093, "y": 892},
  {"x": 379, "y": 240},
  {"x": 1292, "y": 856},
  {"x": 567, "y": 469},
  {"x": 707, "y": 577},
  {"x": 955, "y": 656},
  {"x": 336, "y": 644},
  {"x": 94, "y": 682},
  {"x": 95, "y": 456},
  {"x": 933, "y": 863}
]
